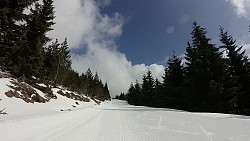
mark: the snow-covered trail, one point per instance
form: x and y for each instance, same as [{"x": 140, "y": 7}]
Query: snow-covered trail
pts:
[{"x": 117, "y": 121}]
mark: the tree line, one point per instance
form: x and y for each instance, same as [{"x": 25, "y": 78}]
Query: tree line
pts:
[
  {"x": 26, "y": 51},
  {"x": 212, "y": 79}
]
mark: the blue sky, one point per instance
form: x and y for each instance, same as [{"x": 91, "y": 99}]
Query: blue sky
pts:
[
  {"x": 122, "y": 39},
  {"x": 145, "y": 38}
]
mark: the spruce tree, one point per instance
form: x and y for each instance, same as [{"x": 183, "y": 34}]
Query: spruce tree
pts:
[
  {"x": 173, "y": 80},
  {"x": 64, "y": 62},
  {"x": 130, "y": 95},
  {"x": 39, "y": 23},
  {"x": 239, "y": 70},
  {"x": 51, "y": 60},
  {"x": 148, "y": 88},
  {"x": 138, "y": 97},
  {"x": 57, "y": 62},
  {"x": 204, "y": 71},
  {"x": 13, "y": 37},
  {"x": 157, "y": 97},
  {"x": 106, "y": 92},
  {"x": 89, "y": 83}
]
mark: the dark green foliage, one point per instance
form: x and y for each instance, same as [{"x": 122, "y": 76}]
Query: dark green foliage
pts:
[
  {"x": 134, "y": 95},
  {"x": 57, "y": 62},
  {"x": 85, "y": 84},
  {"x": 207, "y": 82},
  {"x": 39, "y": 22},
  {"x": 204, "y": 70},
  {"x": 147, "y": 89},
  {"x": 173, "y": 81},
  {"x": 238, "y": 68},
  {"x": 23, "y": 51},
  {"x": 120, "y": 97},
  {"x": 22, "y": 36},
  {"x": 12, "y": 34}
]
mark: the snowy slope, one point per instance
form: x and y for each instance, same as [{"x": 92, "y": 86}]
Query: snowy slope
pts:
[
  {"x": 18, "y": 109},
  {"x": 113, "y": 121}
]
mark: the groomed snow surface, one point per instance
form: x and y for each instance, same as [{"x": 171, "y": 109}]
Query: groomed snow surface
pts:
[{"x": 112, "y": 121}]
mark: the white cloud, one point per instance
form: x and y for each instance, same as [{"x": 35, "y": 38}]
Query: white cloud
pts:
[
  {"x": 241, "y": 7},
  {"x": 86, "y": 27}
]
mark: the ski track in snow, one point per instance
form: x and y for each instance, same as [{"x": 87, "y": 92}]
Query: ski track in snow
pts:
[{"x": 117, "y": 121}]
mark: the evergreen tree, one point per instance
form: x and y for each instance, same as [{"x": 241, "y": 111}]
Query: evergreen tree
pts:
[
  {"x": 22, "y": 35},
  {"x": 116, "y": 97},
  {"x": 134, "y": 96},
  {"x": 12, "y": 34},
  {"x": 130, "y": 95},
  {"x": 148, "y": 88},
  {"x": 22, "y": 48},
  {"x": 173, "y": 80},
  {"x": 83, "y": 84},
  {"x": 238, "y": 68},
  {"x": 89, "y": 83},
  {"x": 39, "y": 23},
  {"x": 157, "y": 97},
  {"x": 120, "y": 97},
  {"x": 204, "y": 71},
  {"x": 57, "y": 62},
  {"x": 106, "y": 92},
  {"x": 97, "y": 85},
  {"x": 51, "y": 60},
  {"x": 138, "y": 97},
  {"x": 63, "y": 62}
]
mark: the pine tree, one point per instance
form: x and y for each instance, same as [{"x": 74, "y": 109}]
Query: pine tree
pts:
[
  {"x": 89, "y": 83},
  {"x": 157, "y": 97},
  {"x": 121, "y": 96},
  {"x": 22, "y": 36},
  {"x": 148, "y": 88},
  {"x": 134, "y": 95},
  {"x": 57, "y": 62},
  {"x": 129, "y": 96},
  {"x": 204, "y": 71},
  {"x": 173, "y": 80},
  {"x": 106, "y": 92},
  {"x": 13, "y": 34},
  {"x": 51, "y": 60},
  {"x": 83, "y": 84},
  {"x": 98, "y": 90},
  {"x": 64, "y": 62},
  {"x": 239, "y": 71},
  {"x": 39, "y": 22},
  {"x": 138, "y": 97}
]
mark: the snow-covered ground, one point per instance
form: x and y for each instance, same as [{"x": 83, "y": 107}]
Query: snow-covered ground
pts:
[{"x": 113, "y": 121}]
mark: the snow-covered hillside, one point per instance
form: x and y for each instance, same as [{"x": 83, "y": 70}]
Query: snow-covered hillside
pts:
[
  {"x": 17, "y": 108},
  {"x": 112, "y": 121}
]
